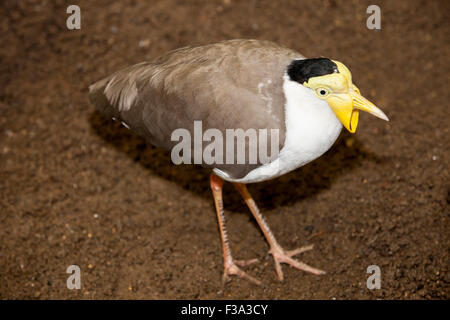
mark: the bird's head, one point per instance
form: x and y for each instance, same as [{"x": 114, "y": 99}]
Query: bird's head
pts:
[{"x": 331, "y": 81}]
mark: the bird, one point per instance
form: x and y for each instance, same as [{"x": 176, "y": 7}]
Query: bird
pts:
[{"x": 301, "y": 104}]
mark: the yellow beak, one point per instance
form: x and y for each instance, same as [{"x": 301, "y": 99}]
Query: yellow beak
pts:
[{"x": 346, "y": 106}]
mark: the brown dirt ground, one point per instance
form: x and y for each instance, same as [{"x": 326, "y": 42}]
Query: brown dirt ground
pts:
[{"x": 76, "y": 188}]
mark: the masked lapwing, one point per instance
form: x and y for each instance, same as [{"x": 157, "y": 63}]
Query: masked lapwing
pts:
[{"x": 299, "y": 104}]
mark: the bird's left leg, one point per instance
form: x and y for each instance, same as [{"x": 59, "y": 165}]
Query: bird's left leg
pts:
[
  {"x": 279, "y": 254},
  {"x": 230, "y": 265}
]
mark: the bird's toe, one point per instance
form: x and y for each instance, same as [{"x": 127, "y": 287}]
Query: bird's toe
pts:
[
  {"x": 233, "y": 269},
  {"x": 281, "y": 256},
  {"x": 244, "y": 263}
]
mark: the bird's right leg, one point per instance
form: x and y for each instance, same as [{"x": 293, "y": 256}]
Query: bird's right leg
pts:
[
  {"x": 230, "y": 265},
  {"x": 279, "y": 254}
]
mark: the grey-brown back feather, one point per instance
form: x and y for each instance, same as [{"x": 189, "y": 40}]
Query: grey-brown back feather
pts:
[{"x": 228, "y": 85}]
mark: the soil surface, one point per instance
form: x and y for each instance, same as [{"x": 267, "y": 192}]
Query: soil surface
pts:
[{"x": 79, "y": 189}]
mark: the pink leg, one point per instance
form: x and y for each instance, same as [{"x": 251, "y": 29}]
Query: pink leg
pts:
[
  {"x": 278, "y": 253},
  {"x": 230, "y": 265}
]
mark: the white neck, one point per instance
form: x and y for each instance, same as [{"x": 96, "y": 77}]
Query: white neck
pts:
[
  {"x": 311, "y": 126},
  {"x": 311, "y": 129}
]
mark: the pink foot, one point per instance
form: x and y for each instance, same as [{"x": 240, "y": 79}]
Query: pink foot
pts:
[
  {"x": 231, "y": 268},
  {"x": 282, "y": 256}
]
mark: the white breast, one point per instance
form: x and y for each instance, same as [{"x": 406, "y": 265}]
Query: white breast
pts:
[{"x": 311, "y": 129}]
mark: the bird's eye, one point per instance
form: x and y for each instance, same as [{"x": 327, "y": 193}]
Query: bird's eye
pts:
[{"x": 322, "y": 92}]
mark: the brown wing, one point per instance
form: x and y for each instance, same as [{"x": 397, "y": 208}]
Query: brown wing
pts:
[{"x": 228, "y": 85}]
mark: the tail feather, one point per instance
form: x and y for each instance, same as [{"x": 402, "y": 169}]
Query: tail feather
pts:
[
  {"x": 118, "y": 92},
  {"x": 99, "y": 100}
]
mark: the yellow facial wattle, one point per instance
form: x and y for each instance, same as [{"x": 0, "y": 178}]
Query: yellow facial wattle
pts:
[{"x": 343, "y": 96}]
